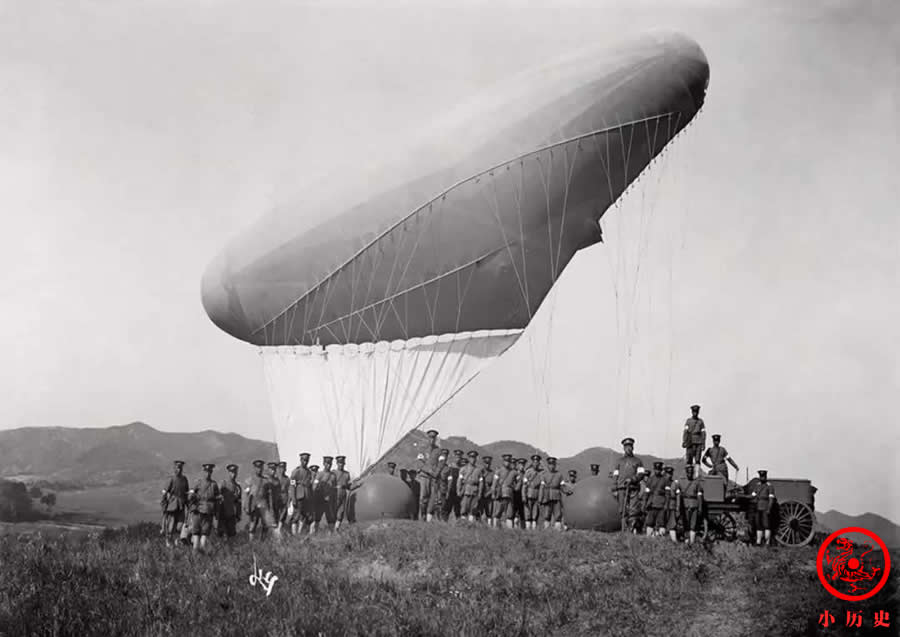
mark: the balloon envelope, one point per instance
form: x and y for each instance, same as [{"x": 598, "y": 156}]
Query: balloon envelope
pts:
[
  {"x": 381, "y": 497},
  {"x": 593, "y": 506}
]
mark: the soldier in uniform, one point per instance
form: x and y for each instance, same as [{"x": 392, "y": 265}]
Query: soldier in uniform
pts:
[
  {"x": 174, "y": 501},
  {"x": 342, "y": 491},
  {"x": 628, "y": 473},
  {"x": 552, "y": 485},
  {"x": 425, "y": 478},
  {"x": 278, "y": 505},
  {"x": 391, "y": 468},
  {"x": 764, "y": 503},
  {"x": 673, "y": 495},
  {"x": 472, "y": 479},
  {"x": 324, "y": 496},
  {"x": 691, "y": 493},
  {"x": 531, "y": 486},
  {"x": 258, "y": 502},
  {"x": 573, "y": 477},
  {"x": 716, "y": 456},
  {"x": 416, "y": 488},
  {"x": 486, "y": 503},
  {"x": 284, "y": 497},
  {"x": 451, "y": 502},
  {"x": 595, "y": 470},
  {"x": 694, "y": 437},
  {"x": 518, "y": 501},
  {"x": 504, "y": 485},
  {"x": 204, "y": 498},
  {"x": 654, "y": 503},
  {"x": 229, "y": 513},
  {"x": 439, "y": 488},
  {"x": 301, "y": 495}
]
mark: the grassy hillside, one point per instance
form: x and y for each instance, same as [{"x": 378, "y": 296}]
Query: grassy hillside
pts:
[{"x": 405, "y": 578}]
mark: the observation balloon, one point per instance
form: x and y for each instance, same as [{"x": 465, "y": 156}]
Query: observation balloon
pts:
[{"x": 383, "y": 291}]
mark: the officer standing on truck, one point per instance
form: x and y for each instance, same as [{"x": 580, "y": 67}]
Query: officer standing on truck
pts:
[{"x": 694, "y": 437}]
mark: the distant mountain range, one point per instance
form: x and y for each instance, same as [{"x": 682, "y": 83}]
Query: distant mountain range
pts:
[{"x": 61, "y": 458}]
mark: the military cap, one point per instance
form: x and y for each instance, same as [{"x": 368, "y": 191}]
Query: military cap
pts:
[
  {"x": 258, "y": 463},
  {"x": 473, "y": 454},
  {"x": 535, "y": 457},
  {"x": 314, "y": 467},
  {"x": 180, "y": 463},
  {"x": 763, "y": 473},
  {"x": 520, "y": 461},
  {"x": 340, "y": 459},
  {"x": 445, "y": 452},
  {"x": 211, "y": 465},
  {"x": 627, "y": 441},
  {"x": 282, "y": 464},
  {"x": 232, "y": 467},
  {"x": 657, "y": 465},
  {"x": 464, "y": 460},
  {"x": 669, "y": 469},
  {"x": 695, "y": 407},
  {"x": 595, "y": 467},
  {"x": 458, "y": 452},
  {"x": 572, "y": 472},
  {"x": 326, "y": 459},
  {"x": 432, "y": 433},
  {"x": 716, "y": 437},
  {"x": 272, "y": 465},
  {"x": 507, "y": 456},
  {"x": 551, "y": 459},
  {"x": 392, "y": 465},
  {"x": 689, "y": 467},
  {"x": 486, "y": 458},
  {"x": 304, "y": 455}
]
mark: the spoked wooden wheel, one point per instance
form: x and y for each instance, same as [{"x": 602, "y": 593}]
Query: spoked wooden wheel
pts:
[
  {"x": 723, "y": 527},
  {"x": 796, "y": 523}
]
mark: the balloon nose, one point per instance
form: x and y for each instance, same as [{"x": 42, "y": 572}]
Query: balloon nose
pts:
[{"x": 221, "y": 299}]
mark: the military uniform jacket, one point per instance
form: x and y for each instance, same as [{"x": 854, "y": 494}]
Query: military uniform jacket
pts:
[
  {"x": 342, "y": 481},
  {"x": 656, "y": 491},
  {"x": 552, "y": 482},
  {"x": 764, "y": 496},
  {"x": 177, "y": 493},
  {"x": 694, "y": 431},
  {"x": 452, "y": 481},
  {"x": 231, "y": 498},
  {"x": 488, "y": 475},
  {"x": 507, "y": 479},
  {"x": 690, "y": 492},
  {"x": 626, "y": 469},
  {"x": 474, "y": 482},
  {"x": 673, "y": 488},
  {"x": 717, "y": 456},
  {"x": 443, "y": 477},
  {"x": 206, "y": 494},
  {"x": 325, "y": 487},
  {"x": 258, "y": 493},
  {"x": 463, "y": 476},
  {"x": 531, "y": 483},
  {"x": 275, "y": 492},
  {"x": 301, "y": 481}
]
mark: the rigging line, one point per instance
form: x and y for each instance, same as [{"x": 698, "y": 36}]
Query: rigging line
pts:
[
  {"x": 519, "y": 187},
  {"x": 418, "y": 285},
  {"x": 512, "y": 260},
  {"x": 388, "y": 230},
  {"x": 562, "y": 224}
]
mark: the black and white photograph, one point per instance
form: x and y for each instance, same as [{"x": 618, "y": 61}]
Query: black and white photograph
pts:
[{"x": 414, "y": 318}]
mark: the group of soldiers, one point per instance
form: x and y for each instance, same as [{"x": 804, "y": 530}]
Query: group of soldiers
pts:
[
  {"x": 661, "y": 504},
  {"x": 300, "y": 502},
  {"x": 518, "y": 493}
]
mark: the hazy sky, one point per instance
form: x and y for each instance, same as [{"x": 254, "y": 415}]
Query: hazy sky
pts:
[{"x": 136, "y": 138}]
